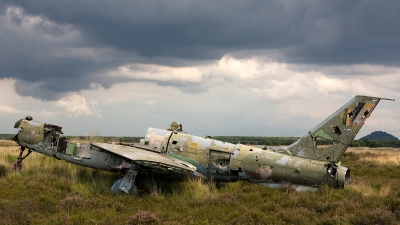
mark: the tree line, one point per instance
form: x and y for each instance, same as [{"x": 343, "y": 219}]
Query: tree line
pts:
[
  {"x": 274, "y": 141},
  {"x": 249, "y": 140}
]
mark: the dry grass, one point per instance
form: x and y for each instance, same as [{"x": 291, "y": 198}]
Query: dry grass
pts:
[
  {"x": 48, "y": 191},
  {"x": 9, "y": 151},
  {"x": 380, "y": 156},
  {"x": 7, "y": 143},
  {"x": 365, "y": 188}
]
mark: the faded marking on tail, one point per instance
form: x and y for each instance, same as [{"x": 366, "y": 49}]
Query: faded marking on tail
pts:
[{"x": 339, "y": 130}]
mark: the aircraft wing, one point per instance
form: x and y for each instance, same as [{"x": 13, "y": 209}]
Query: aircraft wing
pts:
[{"x": 159, "y": 163}]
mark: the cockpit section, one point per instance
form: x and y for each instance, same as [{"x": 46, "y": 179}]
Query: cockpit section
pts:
[
  {"x": 158, "y": 140},
  {"x": 33, "y": 132}
]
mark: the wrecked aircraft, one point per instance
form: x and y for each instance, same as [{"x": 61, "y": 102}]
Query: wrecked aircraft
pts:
[{"x": 173, "y": 152}]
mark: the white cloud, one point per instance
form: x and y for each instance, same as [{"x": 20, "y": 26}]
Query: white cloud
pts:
[
  {"x": 76, "y": 105},
  {"x": 244, "y": 97},
  {"x": 227, "y": 69},
  {"x": 261, "y": 78},
  {"x": 96, "y": 86},
  {"x": 7, "y": 92},
  {"x": 157, "y": 73},
  {"x": 253, "y": 96},
  {"x": 37, "y": 27},
  {"x": 8, "y": 109},
  {"x": 230, "y": 68}
]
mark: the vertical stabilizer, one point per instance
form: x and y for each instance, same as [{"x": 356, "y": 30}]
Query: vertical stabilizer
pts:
[{"x": 338, "y": 130}]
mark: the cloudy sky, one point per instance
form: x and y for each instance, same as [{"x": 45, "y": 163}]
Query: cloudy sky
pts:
[{"x": 238, "y": 67}]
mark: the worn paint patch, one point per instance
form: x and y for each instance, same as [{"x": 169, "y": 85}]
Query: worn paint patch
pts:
[
  {"x": 301, "y": 153},
  {"x": 262, "y": 173},
  {"x": 183, "y": 158},
  {"x": 235, "y": 153},
  {"x": 364, "y": 113},
  {"x": 219, "y": 143},
  {"x": 265, "y": 172},
  {"x": 283, "y": 160},
  {"x": 196, "y": 138},
  {"x": 298, "y": 163},
  {"x": 323, "y": 134},
  {"x": 206, "y": 143},
  {"x": 265, "y": 155},
  {"x": 193, "y": 145}
]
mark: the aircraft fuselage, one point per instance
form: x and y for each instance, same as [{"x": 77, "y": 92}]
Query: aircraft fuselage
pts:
[
  {"x": 172, "y": 152},
  {"x": 222, "y": 161}
]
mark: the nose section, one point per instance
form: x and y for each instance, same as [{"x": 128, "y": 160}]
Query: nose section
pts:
[{"x": 31, "y": 132}]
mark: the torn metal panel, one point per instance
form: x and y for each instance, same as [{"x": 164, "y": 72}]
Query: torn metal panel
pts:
[
  {"x": 62, "y": 145},
  {"x": 83, "y": 150},
  {"x": 127, "y": 183},
  {"x": 219, "y": 162},
  {"x": 72, "y": 149}
]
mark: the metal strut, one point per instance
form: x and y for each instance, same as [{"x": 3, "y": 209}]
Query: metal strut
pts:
[
  {"x": 18, "y": 165},
  {"x": 127, "y": 183}
]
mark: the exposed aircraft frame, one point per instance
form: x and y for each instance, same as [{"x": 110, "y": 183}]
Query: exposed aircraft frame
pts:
[{"x": 176, "y": 154}]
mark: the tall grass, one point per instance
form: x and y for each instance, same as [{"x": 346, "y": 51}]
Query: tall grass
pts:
[{"x": 49, "y": 191}]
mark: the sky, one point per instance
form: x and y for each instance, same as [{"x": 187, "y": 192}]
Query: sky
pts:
[{"x": 238, "y": 67}]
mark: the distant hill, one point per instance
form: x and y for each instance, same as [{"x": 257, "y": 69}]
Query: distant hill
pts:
[{"x": 380, "y": 136}]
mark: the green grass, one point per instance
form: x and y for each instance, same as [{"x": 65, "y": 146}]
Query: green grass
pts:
[{"x": 48, "y": 191}]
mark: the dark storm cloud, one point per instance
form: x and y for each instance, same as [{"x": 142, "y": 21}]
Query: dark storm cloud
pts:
[{"x": 309, "y": 32}]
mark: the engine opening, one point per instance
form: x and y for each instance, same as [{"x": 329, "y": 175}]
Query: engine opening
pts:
[{"x": 347, "y": 178}]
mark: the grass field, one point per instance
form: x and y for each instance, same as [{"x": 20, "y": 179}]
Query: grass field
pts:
[{"x": 48, "y": 191}]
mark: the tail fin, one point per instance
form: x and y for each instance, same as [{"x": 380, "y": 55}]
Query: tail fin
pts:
[{"x": 339, "y": 129}]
